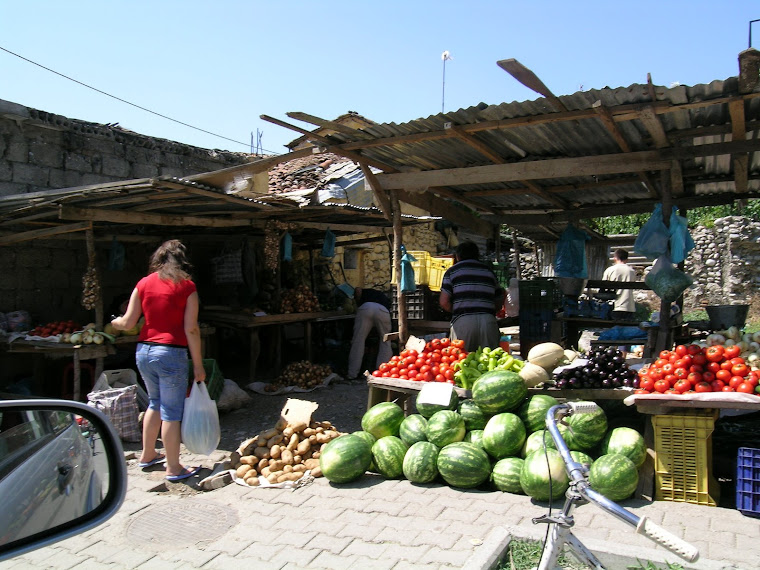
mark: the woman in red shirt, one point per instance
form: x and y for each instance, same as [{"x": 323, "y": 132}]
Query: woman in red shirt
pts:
[{"x": 168, "y": 299}]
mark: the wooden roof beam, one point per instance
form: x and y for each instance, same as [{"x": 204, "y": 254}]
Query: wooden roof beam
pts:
[
  {"x": 43, "y": 233},
  {"x": 739, "y": 133},
  {"x": 530, "y": 80},
  {"x": 325, "y": 124}
]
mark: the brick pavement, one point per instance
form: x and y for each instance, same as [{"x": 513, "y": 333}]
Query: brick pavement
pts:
[{"x": 378, "y": 524}]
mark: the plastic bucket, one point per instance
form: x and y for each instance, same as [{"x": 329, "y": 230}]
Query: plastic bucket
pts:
[{"x": 725, "y": 316}]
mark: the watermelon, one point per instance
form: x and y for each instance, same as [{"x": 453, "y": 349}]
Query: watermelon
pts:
[
  {"x": 370, "y": 439},
  {"x": 584, "y": 431},
  {"x": 445, "y": 427},
  {"x": 383, "y": 419},
  {"x": 427, "y": 410},
  {"x": 536, "y": 442},
  {"x": 420, "y": 463},
  {"x": 625, "y": 441},
  {"x": 506, "y": 475},
  {"x": 345, "y": 458},
  {"x": 533, "y": 411},
  {"x": 474, "y": 417},
  {"x": 614, "y": 476},
  {"x": 388, "y": 454},
  {"x": 543, "y": 475},
  {"x": 582, "y": 458},
  {"x": 475, "y": 436},
  {"x": 499, "y": 391},
  {"x": 504, "y": 435},
  {"x": 463, "y": 464},
  {"x": 412, "y": 429}
]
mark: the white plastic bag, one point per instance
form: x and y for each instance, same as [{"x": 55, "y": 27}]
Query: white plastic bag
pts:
[{"x": 200, "y": 421}]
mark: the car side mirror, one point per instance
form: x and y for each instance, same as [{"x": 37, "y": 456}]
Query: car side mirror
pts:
[{"x": 62, "y": 472}]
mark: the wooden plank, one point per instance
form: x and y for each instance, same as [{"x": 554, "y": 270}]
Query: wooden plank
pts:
[
  {"x": 676, "y": 178},
  {"x": 383, "y": 201},
  {"x": 98, "y": 215},
  {"x": 739, "y": 133},
  {"x": 530, "y": 80},
  {"x": 532, "y": 170},
  {"x": 654, "y": 127},
  {"x": 220, "y": 178},
  {"x": 43, "y": 233},
  {"x": 446, "y": 210},
  {"x": 332, "y": 125},
  {"x": 481, "y": 147}
]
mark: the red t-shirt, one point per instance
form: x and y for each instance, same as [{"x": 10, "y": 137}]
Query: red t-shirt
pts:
[{"x": 163, "y": 304}]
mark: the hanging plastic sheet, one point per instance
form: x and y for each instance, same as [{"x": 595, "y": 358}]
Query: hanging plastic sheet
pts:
[
  {"x": 654, "y": 236},
  {"x": 570, "y": 260},
  {"x": 328, "y": 247},
  {"x": 681, "y": 242},
  {"x": 287, "y": 247},
  {"x": 666, "y": 280},
  {"x": 407, "y": 272}
]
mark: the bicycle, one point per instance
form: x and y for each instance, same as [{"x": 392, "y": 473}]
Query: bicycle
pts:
[{"x": 580, "y": 492}]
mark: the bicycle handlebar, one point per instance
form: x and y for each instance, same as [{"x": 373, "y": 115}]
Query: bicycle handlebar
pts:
[{"x": 577, "y": 475}]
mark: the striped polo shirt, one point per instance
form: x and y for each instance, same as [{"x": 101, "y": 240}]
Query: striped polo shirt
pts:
[{"x": 472, "y": 286}]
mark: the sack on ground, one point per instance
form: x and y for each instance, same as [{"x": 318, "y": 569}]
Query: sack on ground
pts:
[
  {"x": 232, "y": 397},
  {"x": 120, "y": 407},
  {"x": 200, "y": 421}
]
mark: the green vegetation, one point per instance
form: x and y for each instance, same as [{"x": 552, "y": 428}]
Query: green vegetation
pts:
[
  {"x": 704, "y": 216},
  {"x": 525, "y": 555}
]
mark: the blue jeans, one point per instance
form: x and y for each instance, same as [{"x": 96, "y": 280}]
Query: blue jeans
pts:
[{"x": 164, "y": 369}]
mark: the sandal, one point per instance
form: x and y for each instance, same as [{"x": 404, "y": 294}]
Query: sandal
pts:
[
  {"x": 155, "y": 461},
  {"x": 186, "y": 474}
]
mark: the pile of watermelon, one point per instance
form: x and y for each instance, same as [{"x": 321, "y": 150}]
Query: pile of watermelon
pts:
[{"x": 497, "y": 439}]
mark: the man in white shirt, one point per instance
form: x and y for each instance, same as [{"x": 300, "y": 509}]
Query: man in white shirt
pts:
[{"x": 625, "y": 307}]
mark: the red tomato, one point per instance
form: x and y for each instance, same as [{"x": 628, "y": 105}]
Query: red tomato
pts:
[
  {"x": 717, "y": 385},
  {"x": 394, "y": 372},
  {"x": 377, "y": 373},
  {"x": 703, "y": 387},
  {"x": 445, "y": 341},
  {"x": 735, "y": 381},
  {"x": 713, "y": 366},
  {"x": 641, "y": 391},
  {"x": 661, "y": 386},
  {"x": 682, "y": 385},
  {"x": 726, "y": 365},
  {"x": 694, "y": 349},
  {"x": 445, "y": 359},
  {"x": 699, "y": 358},
  {"x": 694, "y": 378},
  {"x": 714, "y": 353},
  {"x": 386, "y": 375},
  {"x": 449, "y": 374},
  {"x": 681, "y": 373},
  {"x": 727, "y": 389},
  {"x": 424, "y": 368},
  {"x": 655, "y": 373},
  {"x": 732, "y": 351},
  {"x": 740, "y": 370},
  {"x": 737, "y": 360},
  {"x": 708, "y": 376},
  {"x": 695, "y": 368},
  {"x": 435, "y": 370},
  {"x": 412, "y": 374},
  {"x": 440, "y": 378},
  {"x": 687, "y": 360},
  {"x": 681, "y": 350},
  {"x": 646, "y": 384},
  {"x": 724, "y": 375},
  {"x": 419, "y": 363},
  {"x": 745, "y": 388},
  {"x": 752, "y": 380},
  {"x": 660, "y": 362},
  {"x": 665, "y": 354},
  {"x": 670, "y": 379},
  {"x": 668, "y": 368},
  {"x": 458, "y": 343}
]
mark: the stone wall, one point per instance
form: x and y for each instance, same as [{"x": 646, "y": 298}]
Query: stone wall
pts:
[{"x": 725, "y": 263}]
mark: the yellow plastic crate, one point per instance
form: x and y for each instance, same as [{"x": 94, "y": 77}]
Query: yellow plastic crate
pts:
[
  {"x": 420, "y": 267},
  {"x": 683, "y": 457},
  {"x": 436, "y": 269}
]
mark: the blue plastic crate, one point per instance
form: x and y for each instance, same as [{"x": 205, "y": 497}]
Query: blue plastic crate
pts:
[{"x": 748, "y": 481}]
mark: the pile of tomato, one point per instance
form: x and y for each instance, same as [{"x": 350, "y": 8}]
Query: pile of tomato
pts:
[
  {"x": 54, "y": 328},
  {"x": 434, "y": 364},
  {"x": 691, "y": 368}
]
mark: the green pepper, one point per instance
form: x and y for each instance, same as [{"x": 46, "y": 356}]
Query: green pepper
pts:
[
  {"x": 517, "y": 365},
  {"x": 491, "y": 364}
]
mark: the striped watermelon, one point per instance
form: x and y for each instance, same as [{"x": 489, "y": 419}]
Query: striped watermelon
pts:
[
  {"x": 412, "y": 429},
  {"x": 537, "y": 441},
  {"x": 474, "y": 417},
  {"x": 383, "y": 419},
  {"x": 427, "y": 410},
  {"x": 445, "y": 427},
  {"x": 504, "y": 435},
  {"x": 614, "y": 476},
  {"x": 345, "y": 458},
  {"x": 388, "y": 454},
  {"x": 370, "y": 439},
  {"x": 464, "y": 465},
  {"x": 543, "y": 475},
  {"x": 625, "y": 441},
  {"x": 584, "y": 431},
  {"x": 506, "y": 475},
  {"x": 533, "y": 411},
  {"x": 499, "y": 391},
  {"x": 582, "y": 458},
  {"x": 421, "y": 462},
  {"x": 475, "y": 436}
]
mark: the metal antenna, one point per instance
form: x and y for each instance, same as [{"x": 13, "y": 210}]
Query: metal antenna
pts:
[
  {"x": 445, "y": 56},
  {"x": 750, "y": 32}
]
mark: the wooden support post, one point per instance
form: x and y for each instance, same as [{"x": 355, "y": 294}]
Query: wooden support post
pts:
[
  {"x": 398, "y": 238},
  {"x": 516, "y": 254},
  {"x": 92, "y": 261}
]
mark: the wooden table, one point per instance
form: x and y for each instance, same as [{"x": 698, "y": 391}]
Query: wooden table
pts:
[
  {"x": 248, "y": 321},
  {"x": 77, "y": 352}
]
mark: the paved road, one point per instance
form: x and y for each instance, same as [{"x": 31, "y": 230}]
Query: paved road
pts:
[{"x": 372, "y": 523}]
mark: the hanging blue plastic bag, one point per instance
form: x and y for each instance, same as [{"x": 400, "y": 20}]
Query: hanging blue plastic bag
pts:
[
  {"x": 654, "y": 236},
  {"x": 328, "y": 247},
  {"x": 407, "y": 272},
  {"x": 681, "y": 242},
  {"x": 287, "y": 247},
  {"x": 570, "y": 260},
  {"x": 200, "y": 421}
]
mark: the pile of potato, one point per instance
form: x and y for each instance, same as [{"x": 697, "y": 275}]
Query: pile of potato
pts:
[
  {"x": 283, "y": 453},
  {"x": 303, "y": 374}
]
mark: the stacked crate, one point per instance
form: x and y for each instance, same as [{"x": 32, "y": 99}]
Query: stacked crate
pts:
[{"x": 748, "y": 481}]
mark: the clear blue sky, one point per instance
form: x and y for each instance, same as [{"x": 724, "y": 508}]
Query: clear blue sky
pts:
[{"x": 220, "y": 65}]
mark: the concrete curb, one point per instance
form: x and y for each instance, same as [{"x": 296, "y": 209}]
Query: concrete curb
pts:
[{"x": 491, "y": 552}]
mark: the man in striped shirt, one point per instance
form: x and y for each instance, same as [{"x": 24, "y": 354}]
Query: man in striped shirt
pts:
[{"x": 471, "y": 293}]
